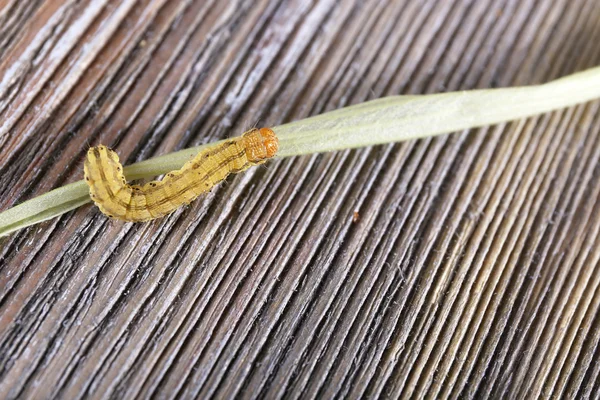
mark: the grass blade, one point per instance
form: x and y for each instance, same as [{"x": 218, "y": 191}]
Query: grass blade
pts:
[{"x": 386, "y": 120}]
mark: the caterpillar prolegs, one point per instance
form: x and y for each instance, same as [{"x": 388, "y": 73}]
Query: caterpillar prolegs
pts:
[{"x": 117, "y": 199}]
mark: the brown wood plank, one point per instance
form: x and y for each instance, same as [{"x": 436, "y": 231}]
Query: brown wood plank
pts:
[{"x": 473, "y": 269}]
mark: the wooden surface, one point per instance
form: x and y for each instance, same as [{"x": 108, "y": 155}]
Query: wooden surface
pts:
[{"x": 473, "y": 267}]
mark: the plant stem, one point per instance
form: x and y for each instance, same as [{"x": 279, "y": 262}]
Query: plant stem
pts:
[{"x": 386, "y": 120}]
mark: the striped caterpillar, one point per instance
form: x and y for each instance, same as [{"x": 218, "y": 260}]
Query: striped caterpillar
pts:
[{"x": 117, "y": 199}]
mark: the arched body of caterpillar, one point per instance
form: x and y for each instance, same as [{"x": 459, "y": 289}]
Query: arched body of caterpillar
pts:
[{"x": 117, "y": 199}]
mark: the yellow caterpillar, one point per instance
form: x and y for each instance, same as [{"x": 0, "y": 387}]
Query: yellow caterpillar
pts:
[{"x": 117, "y": 199}]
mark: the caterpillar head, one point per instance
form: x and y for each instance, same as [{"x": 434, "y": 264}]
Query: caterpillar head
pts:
[{"x": 261, "y": 144}]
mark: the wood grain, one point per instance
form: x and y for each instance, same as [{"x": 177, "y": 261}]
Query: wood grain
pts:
[{"x": 473, "y": 270}]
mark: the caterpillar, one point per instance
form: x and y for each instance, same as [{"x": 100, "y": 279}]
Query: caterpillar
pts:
[{"x": 117, "y": 199}]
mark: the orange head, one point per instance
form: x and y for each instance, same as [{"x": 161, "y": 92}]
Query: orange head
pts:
[{"x": 260, "y": 144}]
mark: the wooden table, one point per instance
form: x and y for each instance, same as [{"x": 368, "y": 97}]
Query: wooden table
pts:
[{"x": 461, "y": 266}]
